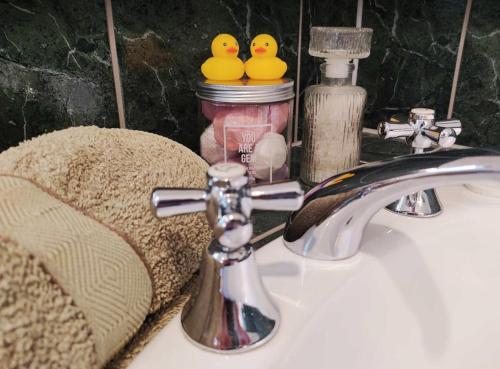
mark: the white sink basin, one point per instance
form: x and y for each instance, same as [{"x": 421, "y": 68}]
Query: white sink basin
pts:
[{"x": 422, "y": 293}]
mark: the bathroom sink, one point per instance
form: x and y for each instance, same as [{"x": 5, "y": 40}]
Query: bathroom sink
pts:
[{"x": 422, "y": 293}]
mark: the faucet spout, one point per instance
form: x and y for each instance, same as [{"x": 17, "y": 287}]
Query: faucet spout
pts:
[{"x": 334, "y": 214}]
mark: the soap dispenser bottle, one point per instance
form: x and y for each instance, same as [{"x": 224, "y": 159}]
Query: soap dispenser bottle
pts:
[{"x": 333, "y": 110}]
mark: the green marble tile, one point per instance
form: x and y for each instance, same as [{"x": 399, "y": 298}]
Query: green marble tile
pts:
[
  {"x": 162, "y": 45},
  {"x": 54, "y": 68},
  {"x": 478, "y": 95},
  {"x": 413, "y": 55},
  {"x": 413, "y": 51}
]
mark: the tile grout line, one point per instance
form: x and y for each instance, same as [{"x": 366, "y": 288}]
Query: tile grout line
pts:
[
  {"x": 359, "y": 24},
  {"x": 267, "y": 233},
  {"x": 114, "y": 63},
  {"x": 297, "y": 83},
  {"x": 458, "y": 64}
]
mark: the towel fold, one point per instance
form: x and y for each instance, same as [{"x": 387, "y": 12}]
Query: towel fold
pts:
[
  {"x": 109, "y": 174},
  {"x": 81, "y": 282},
  {"x": 40, "y": 325}
]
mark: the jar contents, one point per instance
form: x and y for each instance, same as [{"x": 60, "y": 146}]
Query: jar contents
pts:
[
  {"x": 249, "y": 134},
  {"x": 269, "y": 155},
  {"x": 332, "y": 135},
  {"x": 211, "y": 151},
  {"x": 333, "y": 109},
  {"x": 249, "y": 122}
]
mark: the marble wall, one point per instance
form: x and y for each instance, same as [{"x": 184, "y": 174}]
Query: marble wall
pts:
[
  {"x": 478, "y": 96},
  {"x": 413, "y": 55},
  {"x": 163, "y": 43},
  {"x": 55, "y": 68}
]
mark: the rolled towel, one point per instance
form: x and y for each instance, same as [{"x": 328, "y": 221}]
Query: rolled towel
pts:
[
  {"x": 109, "y": 175},
  {"x": 40, "y": 325},
  {"x": 72, "y": 292}
]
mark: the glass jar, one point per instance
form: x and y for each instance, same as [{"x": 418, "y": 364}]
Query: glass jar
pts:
[
  {"x": 333, "y": 109},
  {"x": 248, "y": 122},
  {"x": 333, "y": 112}
]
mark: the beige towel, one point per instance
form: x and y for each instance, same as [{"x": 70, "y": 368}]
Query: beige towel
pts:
[
  {"x": 109, "y": 174},
  {"x": 98, "y": 270},
  {"x": 40, "y": 326}
]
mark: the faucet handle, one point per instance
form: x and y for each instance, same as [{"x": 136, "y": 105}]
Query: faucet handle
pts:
[
  {"x": 444, "y": 133},
  {"x": 166, "y": 202},
  {"x": 454, "y": 124},
  {"x": 421, "y": 129},
  {"x": 228, "y": 202},
  {"x": 284, "y": 196},
  {"x": 388, "y": 130},
  {"x": 444, "y": 137}
]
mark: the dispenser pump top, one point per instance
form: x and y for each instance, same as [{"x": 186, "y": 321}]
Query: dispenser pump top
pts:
[{"x": 338, "y": 46}]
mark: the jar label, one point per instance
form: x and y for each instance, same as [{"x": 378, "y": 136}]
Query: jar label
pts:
[{"x": 245, "y": 136}]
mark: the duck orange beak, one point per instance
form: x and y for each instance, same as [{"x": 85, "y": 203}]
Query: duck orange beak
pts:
[
  {"x": 231, "y": 50},
  {"x": 260, "y": 50}
]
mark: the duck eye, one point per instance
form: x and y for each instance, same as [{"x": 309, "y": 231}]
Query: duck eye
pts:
[
  {"x": 225, "y": 44},
  {"x": 266, "y": 44},
  {"x": 253, "y": 44}
]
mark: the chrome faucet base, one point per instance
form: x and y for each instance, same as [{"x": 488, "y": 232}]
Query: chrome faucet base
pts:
[
  {"x": 422, "y": 204},
  {"x": 230, "y": 311},
  {"x": 421, "y": 130}
]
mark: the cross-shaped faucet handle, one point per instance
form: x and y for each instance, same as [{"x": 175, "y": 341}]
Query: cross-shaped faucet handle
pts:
[
  {"x": 228, "y": 202},
  {"x": 422, "y": 130}
]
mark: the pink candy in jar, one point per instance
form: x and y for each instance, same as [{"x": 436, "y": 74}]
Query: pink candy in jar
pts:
[
  {"x": 269, "y": 156},
  {"x": 247, "y": 123},
  {"x": 243, "y": 125},
  {"x": 211, "y": 151},
  {"x": 210, "y": 109}
]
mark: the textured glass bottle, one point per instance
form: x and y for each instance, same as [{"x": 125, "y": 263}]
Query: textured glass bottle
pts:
[
  {"x": 333, "y": 110},
  {"x": 332, "y": 132}
]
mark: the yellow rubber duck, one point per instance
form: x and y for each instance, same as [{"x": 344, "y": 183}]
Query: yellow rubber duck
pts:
[
  {"x": 225, "y": 64},
  {"x": 264, "y": 64}
]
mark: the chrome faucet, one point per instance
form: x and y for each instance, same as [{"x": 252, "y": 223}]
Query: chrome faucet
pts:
[
  {"x": 230, "y": 310},
  {"x": 331, "y": 222},
  {"x": 421, "y": 132}
]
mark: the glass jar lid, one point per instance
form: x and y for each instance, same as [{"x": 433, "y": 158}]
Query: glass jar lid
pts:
[
  {"x": 246, "y": 91},
  {"x": 340, "y": 42}
]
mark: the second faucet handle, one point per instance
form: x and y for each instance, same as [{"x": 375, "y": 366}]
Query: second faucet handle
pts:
[
  {"x": 454, "y": 124},
  {"x": 421, "y": 130},
  {"x": 443, "y": 137}
]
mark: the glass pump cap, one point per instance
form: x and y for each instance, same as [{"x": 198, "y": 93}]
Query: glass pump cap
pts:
[{"x": 340, "y": 42}]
